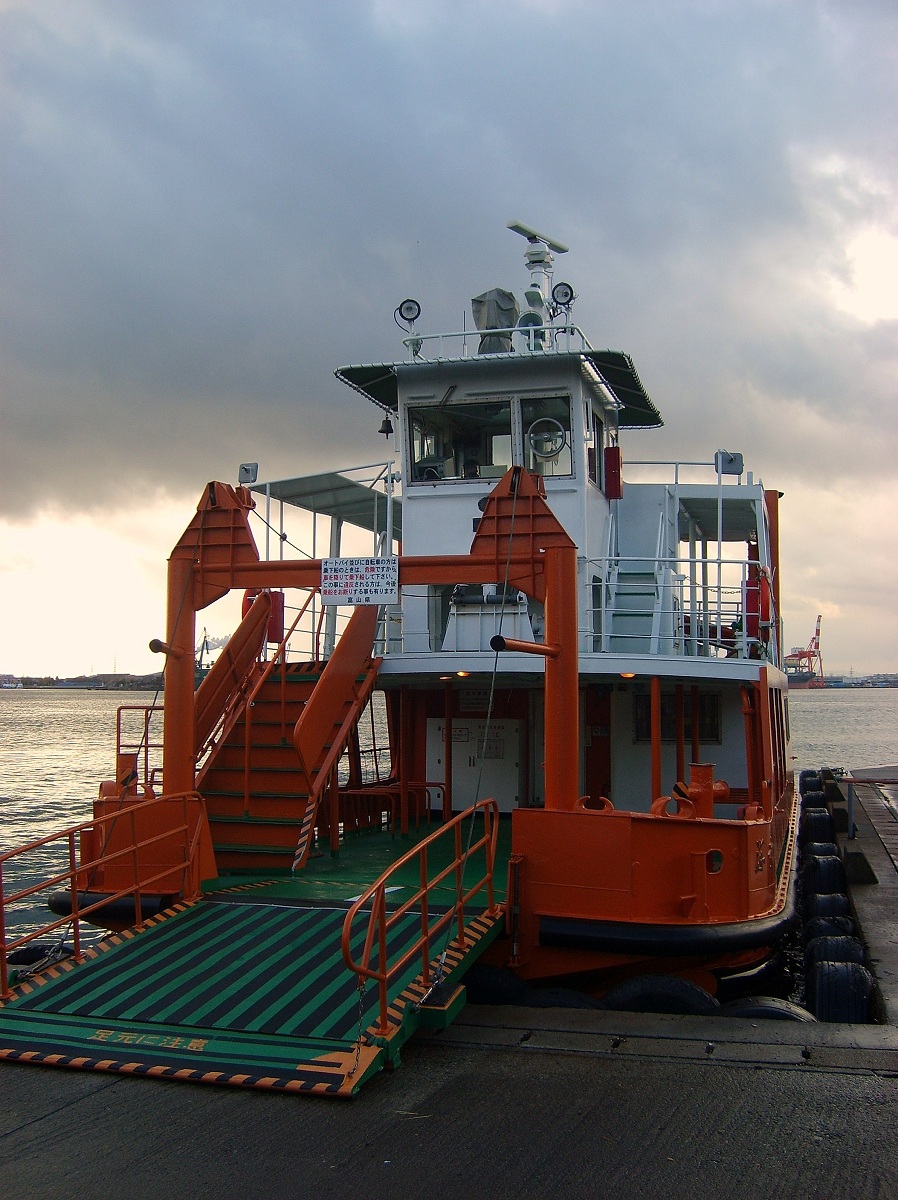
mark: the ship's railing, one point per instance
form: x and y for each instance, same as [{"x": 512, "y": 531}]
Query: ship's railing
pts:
[
  {"x": 374, "y": 961},
  {"x": 165, "y": 827},
  {"x": 638, "y": 605},
  {"x": 543, "y": 339},
  {"x": 376, "y": 764},
  {"x": 316, "y": 634},
  {"x": 703, "y": 607},
  {"x": 684, "y": 472},
  {"x": 138, "y": 737}
]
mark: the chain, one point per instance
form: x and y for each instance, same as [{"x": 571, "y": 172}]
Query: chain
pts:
[{"x": 358, "y": 1040}]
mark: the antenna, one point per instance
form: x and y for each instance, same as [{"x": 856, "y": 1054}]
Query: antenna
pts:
[
  {"x": 538, "y": 257},
  {"x": 532, "y": 236}
]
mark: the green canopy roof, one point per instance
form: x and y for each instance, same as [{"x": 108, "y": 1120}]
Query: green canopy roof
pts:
[{"x": 377, "y": 381}]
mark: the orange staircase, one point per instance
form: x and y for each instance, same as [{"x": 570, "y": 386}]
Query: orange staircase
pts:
[
  {"x": 331, "y": 714},
  {"x": 263, "y": 780}
]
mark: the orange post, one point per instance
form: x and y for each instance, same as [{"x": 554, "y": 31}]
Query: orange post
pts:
[
  {"x": 562, "y": 716},
  {"x": 656, "y": 736},
  {"x": 447, "y": 755},
  {"x": 178, "y": 727}
]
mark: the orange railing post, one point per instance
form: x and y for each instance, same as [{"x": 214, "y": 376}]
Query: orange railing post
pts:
[
  {"x": 4, "y": 969},
  {"x": 73, "y": 891},
  {"x": 425, "y": 924}
]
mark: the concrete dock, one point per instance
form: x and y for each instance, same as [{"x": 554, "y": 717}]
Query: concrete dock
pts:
[{"x": 512, "y": 1102}]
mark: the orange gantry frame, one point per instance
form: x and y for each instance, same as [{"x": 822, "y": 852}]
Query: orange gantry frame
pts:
[{"x": 519, "y": 540}]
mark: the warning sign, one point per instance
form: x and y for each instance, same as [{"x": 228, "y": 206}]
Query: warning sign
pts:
[{"x": 360, "y": 581}]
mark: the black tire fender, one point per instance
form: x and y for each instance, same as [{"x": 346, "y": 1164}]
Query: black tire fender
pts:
[
  {"x": 768, "y": 1008},
  {"x": 661, "y": 994},
  {"x": 834, "y": 949},
  {"x": 816, "y": 826},
  {"x": 827, "y": 927},
  {"x": 809, "y": 781},
  {"x": 831, "y": 904},
  {"x": 843, "y": 991},
  {"x": 824, "y": 875}
]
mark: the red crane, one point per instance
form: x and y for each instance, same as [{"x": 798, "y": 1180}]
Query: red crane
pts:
[{"x": 805, "y": 667}]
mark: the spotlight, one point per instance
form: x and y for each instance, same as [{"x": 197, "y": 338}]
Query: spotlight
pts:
[
  {"x": 409, "y": 310},
  {"x": 563, "y": 295}
]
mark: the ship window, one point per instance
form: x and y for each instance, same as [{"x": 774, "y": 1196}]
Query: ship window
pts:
[
  {"x": 460, "y": 441},
  {"x": 594, "y": 445},
  {"x": 708, "y": 718},
  {"x": 546, "y": 424}
]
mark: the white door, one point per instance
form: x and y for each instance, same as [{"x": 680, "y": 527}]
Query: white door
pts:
[{"x": 480, "y": 770}]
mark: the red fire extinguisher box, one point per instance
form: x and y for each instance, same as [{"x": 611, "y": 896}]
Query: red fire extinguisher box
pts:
[{"x": 614, "y": 479}]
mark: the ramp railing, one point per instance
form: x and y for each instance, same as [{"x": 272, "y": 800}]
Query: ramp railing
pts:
[
  {"x": 374, "y": 962},
  {"x": 143, "y": 852}
]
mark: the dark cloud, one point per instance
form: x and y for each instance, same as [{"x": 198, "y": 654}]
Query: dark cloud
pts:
[{"x": 209, "y": 206}]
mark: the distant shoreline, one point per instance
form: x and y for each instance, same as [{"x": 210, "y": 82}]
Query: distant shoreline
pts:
[{"x": 92, "y": 683}]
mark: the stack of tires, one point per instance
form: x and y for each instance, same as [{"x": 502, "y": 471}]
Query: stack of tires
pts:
[{"x": 838, "y": 986}]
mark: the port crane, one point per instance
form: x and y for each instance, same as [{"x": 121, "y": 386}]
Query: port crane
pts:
[{"x": 806, "y": 666}]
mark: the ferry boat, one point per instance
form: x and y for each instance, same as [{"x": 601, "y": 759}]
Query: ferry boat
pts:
[{"x": 541, "y": 725}]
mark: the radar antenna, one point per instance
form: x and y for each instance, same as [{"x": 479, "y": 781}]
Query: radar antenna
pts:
[
  {"x": 538, "y": 257},
  {"x": 533, "y": 237}
]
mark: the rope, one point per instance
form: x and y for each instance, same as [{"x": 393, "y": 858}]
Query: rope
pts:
[
  {"x": 438, "y": 979},
  {"x": 279, "y": 534}
]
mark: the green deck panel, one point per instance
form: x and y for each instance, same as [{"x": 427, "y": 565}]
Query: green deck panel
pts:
[
  {"x": 253, "y": 968},
  {"x": 249, "y": 983},
  {"x": 365, "y": 855}
]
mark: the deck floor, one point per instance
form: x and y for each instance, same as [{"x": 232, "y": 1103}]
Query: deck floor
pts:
[{"x": 247, "y": 984}]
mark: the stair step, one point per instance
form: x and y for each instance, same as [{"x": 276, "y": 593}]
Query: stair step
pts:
[
  {"x": 225, "y": 773},
  {"x": 285, "y": 851},
  {"x": 298, "y": 798},
  {"x": 292, "y": 822}
]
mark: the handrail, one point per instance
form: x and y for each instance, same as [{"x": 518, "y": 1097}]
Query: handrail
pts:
[
  {"x": 544, "y": 338},
  {"x": 144, "y": 745},
  {"x": 138, "y": 887},
  {"x": 374, "y": 900},
  {"x": 716, "y": 622}
]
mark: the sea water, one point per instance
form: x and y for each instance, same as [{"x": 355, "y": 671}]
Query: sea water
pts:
[{"x": 57, "y": 744}]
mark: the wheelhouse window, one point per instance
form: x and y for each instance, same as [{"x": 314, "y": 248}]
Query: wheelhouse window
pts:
[
  {"x": 460, "y": 441},
  {"x": 546, "y": 425},
  {"x": 594, "y": 447}
]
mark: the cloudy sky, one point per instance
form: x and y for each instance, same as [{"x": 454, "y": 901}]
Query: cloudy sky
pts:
[{"x": 208, "y": 205}]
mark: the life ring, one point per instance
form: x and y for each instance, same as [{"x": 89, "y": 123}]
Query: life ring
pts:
[{"x": 758, "y": 604}]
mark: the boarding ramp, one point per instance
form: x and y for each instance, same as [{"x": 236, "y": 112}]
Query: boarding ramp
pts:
[{"x": 266, "y": 984}]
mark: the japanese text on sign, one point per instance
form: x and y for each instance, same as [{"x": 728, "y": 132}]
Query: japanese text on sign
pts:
[{"x": 360, "y": 581}]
